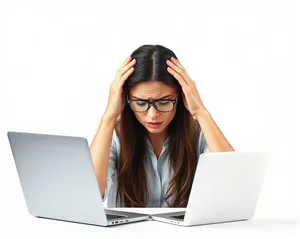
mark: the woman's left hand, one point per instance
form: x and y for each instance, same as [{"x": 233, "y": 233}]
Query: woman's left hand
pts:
[{"x": 190, "y": 96}]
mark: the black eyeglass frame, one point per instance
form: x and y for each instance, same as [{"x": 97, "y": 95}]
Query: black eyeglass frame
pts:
[{"x": 153, "y": 103}]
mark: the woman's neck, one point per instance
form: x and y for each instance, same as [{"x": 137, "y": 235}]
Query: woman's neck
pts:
[{"x": 158, "y": 139}]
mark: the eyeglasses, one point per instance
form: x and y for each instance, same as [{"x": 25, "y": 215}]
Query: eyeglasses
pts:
[{"x": 144, "y": 105}]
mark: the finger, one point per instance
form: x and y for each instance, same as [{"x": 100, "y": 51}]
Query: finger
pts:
[
  {"x": 125, "y": 77},
  {"x": 180, "y": 79},
  {"x": 186, "y": 76},
  {"x": 180, "y": 69},
  {"x": 176, "y": 59},
  {"x": 128, "y": 66},
  {"x": 177, "y": 63},
  {"x": 125, "y": 62},
  {"x": 121, "y": 72},
  {"x": 182, "y": 73}
]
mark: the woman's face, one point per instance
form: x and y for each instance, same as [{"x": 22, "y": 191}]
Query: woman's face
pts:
[{"x": 153, "y": 90}]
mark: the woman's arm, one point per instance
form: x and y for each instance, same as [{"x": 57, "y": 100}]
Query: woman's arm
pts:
[
  {"x": 215, "y": 139},
  {"x": 100, "y": 150}
]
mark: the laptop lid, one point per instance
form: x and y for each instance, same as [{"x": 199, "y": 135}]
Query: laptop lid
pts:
[
  {"x": 226, "y": 187},
  {"x": 57, "y": 177}
]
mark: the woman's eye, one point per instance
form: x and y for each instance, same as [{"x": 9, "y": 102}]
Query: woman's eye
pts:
[
  {"x": 141, "y": 103},
  {"x": 163, "y": 102}
]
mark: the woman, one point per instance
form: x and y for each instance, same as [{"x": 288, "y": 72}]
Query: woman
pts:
[{"x": 147, "y": 157}]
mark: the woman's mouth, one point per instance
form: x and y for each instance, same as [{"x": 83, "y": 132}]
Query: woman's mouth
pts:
[{"x": 154, "y": 125}]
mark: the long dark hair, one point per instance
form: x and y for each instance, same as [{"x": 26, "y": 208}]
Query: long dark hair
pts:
[{"x": 183, "y": 130}]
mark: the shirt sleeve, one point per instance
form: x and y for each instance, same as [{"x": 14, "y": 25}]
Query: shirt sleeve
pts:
[
  {"x": 111, "y": 165},
  {"x": 202, "y": 144}
]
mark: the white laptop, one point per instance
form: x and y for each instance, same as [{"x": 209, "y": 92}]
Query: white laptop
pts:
[
  {"x": 226, "y": 188},
  {"x": 58, "y": 180}
]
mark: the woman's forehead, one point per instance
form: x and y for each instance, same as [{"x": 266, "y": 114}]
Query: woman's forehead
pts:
[{"x": 152, "y": 89}]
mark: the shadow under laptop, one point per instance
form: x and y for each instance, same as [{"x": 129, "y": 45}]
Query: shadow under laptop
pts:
[
  {"x": 88, "y": 224},
  {"x": 261, "y": 223}
]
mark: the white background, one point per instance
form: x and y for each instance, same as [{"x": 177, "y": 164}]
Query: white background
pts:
[{"x": 58, "y": 58}]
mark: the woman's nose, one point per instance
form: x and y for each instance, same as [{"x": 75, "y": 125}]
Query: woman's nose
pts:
[{"x": 152, "y": 111}]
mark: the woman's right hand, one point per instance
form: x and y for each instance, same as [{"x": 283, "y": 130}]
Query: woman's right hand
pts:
[{"x": 117, "y": 98}]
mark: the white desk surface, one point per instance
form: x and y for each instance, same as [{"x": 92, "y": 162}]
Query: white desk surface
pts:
[{"x": 27, "y": 226}]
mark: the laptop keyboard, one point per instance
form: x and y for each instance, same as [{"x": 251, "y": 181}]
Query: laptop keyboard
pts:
[
  {"x": 112, "y": 216},
  {"x": 179, "y": 216}
]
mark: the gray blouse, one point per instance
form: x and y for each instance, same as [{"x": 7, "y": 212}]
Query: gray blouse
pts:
[{"x": 157, "y": 171}]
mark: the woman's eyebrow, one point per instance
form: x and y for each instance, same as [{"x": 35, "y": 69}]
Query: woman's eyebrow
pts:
[{"x": 149, "y": 98}]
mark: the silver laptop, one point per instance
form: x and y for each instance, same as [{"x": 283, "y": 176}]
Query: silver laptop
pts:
[
  {"x": 58, "y": 180},
  {"x": 226, "y": 188}
]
